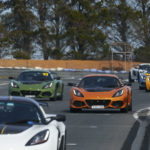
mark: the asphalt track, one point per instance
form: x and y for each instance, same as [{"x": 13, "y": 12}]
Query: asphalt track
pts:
[{"x": 103, "y": 130}]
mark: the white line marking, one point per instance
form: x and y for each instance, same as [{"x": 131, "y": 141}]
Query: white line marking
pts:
[
  {"x": 71, "y": 144},
  {"x": 136, "y": 145},
  {"x": 93, "y": 127},
  {"x": 84, "y": 126},
  {"x": 3, "y": 84},
  {"x": 141, "y": 131},
  {"x": 135, "y": 115}
]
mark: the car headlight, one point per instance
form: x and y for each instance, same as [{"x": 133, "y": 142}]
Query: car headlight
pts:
[
  {"x": 14, "y": 85},
  {"x": 77, "y": 93},
  {"x": 147, "y": 74},
  {"x": 143, "y": 77},
  {"x": 39, "y": 138},
  {"x": 118, "y": 93},
  {"x": 141, "y": 71},
  {"x": 47, "y": 85}
]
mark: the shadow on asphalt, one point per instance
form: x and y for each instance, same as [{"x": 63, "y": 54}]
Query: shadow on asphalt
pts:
[{"x": 97, "y": 112}]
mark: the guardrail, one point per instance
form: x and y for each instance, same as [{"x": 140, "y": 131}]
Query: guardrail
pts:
[{"x": 63, "y": 73}]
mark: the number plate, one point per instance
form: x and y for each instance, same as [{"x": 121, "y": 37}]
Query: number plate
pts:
[
  {"x": 97, "y": 107},
  {"x": 30, "y": 96}
]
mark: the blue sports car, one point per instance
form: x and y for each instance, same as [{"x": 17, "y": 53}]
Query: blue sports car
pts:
[{"x": 142, "y": 77}]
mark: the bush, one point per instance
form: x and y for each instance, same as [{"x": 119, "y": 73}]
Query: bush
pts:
[
  {"x": 21, "y": 55},
  {"x": 142, "y": 54}
]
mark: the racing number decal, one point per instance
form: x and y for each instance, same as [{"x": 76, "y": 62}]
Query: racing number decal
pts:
[
  {"x": 3, "y": 129},
  {"x": 45, "y": 74}
]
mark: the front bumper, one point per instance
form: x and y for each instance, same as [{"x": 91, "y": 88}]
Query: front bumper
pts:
[
  {"x": 114, "y": 103},
  {"x": 42, "y": 93},
  {"x": 142, "y": 84}
]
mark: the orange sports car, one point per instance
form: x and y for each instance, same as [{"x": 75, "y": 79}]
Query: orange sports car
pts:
[{"x": 100, "y": 91}]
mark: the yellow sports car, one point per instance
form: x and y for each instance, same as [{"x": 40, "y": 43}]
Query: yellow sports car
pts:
[{"x": 147, "y": 82}]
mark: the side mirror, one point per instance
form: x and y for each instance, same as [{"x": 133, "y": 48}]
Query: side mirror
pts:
[
  {"x": 72, "y": 84},
  {"x": 128, "y": 83},
  {"x": 57, "y": 78},
  {"x": 60, "y": 117}
]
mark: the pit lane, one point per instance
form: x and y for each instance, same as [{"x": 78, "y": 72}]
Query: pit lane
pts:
[{"x": 102, "y": 130}]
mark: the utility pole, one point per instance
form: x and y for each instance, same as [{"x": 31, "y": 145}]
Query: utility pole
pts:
[{"x": 127, "y": 53}]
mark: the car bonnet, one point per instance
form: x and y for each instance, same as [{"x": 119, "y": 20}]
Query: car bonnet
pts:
[
  {"x": 102, "y": 94},
  {"x": 21, "y": 138}
]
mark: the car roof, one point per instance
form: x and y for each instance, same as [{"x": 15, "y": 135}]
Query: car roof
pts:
[
  {"x": 144, "y": 64},
  {"x": 104, "y": 75},
  {"x": 19, "y": 99},
  {"x": 35, "y": 70}
]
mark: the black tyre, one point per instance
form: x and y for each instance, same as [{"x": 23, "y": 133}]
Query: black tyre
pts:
[
  {"x": 63, "y": 143},
  {"x": 130, "y": 106},
  {"x": 61, "y": 96},
  {"x": 130, "y": 79},
  {"x": 55, "y": 96},
  {"x": 74, "y": 110},
  {"x": 141, "y": 88},
  {"x": 125, "y": 110}
]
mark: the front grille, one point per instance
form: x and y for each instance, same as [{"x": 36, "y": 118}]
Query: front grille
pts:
[
  {"x": 78, "y": 103},
  {"x": 117, "y": 103},
  {"x": 134, "y": 72},
  {"x": 30, "y": 93},
  {"x": 98, "y": 102},
  {"x": 15, "y": 94},
  {"x": 46, "y": 94}
]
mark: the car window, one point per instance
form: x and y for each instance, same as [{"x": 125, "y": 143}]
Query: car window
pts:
[
  {"x": 35, "y": 76},
  {"x": 144, "y": 67},
  {"x": 99, "y": 81},
  {"x": 12, "y": 112}
]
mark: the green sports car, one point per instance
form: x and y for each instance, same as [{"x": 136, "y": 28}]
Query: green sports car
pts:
[{"x": 37, "y": 84}]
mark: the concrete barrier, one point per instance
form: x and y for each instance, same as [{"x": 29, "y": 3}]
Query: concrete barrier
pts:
[{"x": 68, "y": 64}]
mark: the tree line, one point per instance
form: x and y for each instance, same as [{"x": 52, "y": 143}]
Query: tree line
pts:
[{"x": 73, "y": 29}]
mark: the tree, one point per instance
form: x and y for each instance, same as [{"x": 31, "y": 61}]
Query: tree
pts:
[
  {"x": 43, "y": 34},
  {"x": 143, "y": 29},
  {"x": 84, "y": 36},
  {"x": 144, "y": 21},
  {"x": 19, "y": 23},
  {"x": 3, "y": 35},
  {"x": 51, "y": 32},
  {"x": 58, "y": 30},
  {"x": 142, "y": 54},
  {"x": 121, "y": 26}
]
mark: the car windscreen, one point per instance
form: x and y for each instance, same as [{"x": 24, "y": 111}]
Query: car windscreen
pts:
[
  {"x": 35, "y": 76},
  {"x": 99, "y": 81},
  {"x": 19, "y": 113},
  {"x": 144, "y": 67}
]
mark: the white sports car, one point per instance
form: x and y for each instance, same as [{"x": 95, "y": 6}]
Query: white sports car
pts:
[
  {"x": 136, "y": 71},
  {"x": 25, "y": 126}
]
